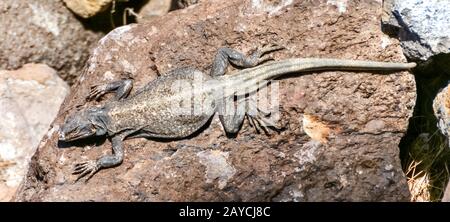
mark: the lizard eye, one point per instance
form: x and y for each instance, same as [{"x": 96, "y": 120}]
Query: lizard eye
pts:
[
  {"x": 67, "y": 130},
  {"x": 74, "y": 130}
]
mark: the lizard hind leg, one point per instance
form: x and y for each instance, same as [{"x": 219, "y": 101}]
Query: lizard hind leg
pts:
[
  {"x": 121, "y": 88},
  {"x": 260, "y": 122},
  {"x": 232, "y": 116},
  {"x": 225, "y": 56},
  {"x": 259, "y": 118}
]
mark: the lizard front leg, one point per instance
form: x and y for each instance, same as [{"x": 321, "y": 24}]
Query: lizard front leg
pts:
[
  {"x": 90, "y": 167},
  {"x": 121, "y": 88}
]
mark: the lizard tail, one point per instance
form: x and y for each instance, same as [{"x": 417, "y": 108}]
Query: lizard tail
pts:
[{"x": 272, "y": 70}]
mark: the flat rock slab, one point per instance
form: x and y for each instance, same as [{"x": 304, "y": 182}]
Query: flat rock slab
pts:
[{"x": 341, "y": 129}]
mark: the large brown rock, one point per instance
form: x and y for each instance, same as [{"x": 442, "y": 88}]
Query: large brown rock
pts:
[
  {"x": 43, "y": 32},
  {"x": 342, "y": 129}
]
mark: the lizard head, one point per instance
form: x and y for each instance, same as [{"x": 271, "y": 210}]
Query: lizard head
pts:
[{"x": 83, "y": 124}]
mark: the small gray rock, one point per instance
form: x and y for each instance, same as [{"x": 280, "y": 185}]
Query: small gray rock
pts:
[{"x": 423, "y": 26}]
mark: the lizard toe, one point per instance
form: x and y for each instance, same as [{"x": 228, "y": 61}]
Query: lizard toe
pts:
[
  {"x": 96, "y": 92},
  {"x": 265, "y": 58},
  {"x": 85, "y": 168},
  {"x": 271, "y": 48}
]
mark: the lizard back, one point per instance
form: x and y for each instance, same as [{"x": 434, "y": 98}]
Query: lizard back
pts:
[{"x": 172, "y": 106}]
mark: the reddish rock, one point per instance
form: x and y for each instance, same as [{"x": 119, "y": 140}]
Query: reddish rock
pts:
[{"x": 361, "y": 116}]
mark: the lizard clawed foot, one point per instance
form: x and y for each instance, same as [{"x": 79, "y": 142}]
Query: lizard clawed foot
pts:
[
  {"x": 271, "y": 48},
  {"x": 260, "y": 119},
  {"x": 260, "y": 53},
  {"x": 256, "y": 124},
  {"x": 261, "y": 123},
  {"x": 97, "y": 91},
  {"x": 88, "y": 168}
]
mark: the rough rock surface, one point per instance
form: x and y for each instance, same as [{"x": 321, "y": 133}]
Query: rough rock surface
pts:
[
  {"x": 360, "y": 117},
  {"x": 29, "y": 101},
  {"x": 43, "y": 32},
  {"x": 423, "y": 26},
  {"x": 441, "y": 108},
  {"x": 87, "y": 8}
]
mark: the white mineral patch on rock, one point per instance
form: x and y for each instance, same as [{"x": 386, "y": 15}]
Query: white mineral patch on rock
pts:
[{"x": 217, "y": 167}]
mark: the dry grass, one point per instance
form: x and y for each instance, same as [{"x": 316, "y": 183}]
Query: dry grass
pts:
[
  {"x": 427, "y": 168},
  {"x": 418, "y": 183}
]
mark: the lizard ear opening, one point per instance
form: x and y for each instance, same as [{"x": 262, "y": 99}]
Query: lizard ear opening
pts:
[
  {"x": 98, "y": 121},
  {"x": 99, "y": 125}
]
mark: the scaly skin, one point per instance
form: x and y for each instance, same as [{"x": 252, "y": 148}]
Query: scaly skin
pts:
[{"x": 179, "y": 103}]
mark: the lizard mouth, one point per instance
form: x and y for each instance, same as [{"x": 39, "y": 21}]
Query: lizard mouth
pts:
[
  {"x": 63, "y": 137},
  {"x": 66, "y": 138}
]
